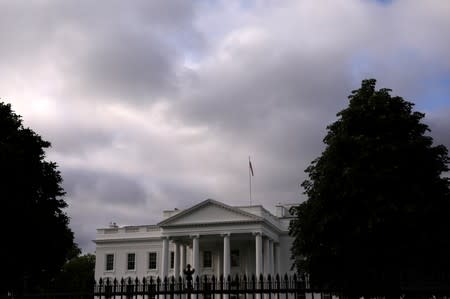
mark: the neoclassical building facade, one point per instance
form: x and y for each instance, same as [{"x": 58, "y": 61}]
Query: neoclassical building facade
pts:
[{"x": 214, "y": 238}]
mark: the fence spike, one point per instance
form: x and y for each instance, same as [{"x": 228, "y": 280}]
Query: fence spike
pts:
[
  {"x": 107, "y": 281},
  {"x": 100, "y": 281},
  {"x": 221, "y": 281},
  {"x": 197, "y": 282},
  {"x": 136, "y": 281}
]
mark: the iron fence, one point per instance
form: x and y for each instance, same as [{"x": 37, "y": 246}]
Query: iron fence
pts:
[
  {"x": 204, "y": 287},
  {"x": 236, "y": 287}
]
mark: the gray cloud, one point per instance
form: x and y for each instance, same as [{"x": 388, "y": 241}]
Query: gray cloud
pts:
[
  {"x": 156, "y": 105},
  {"x": 439, "y": 123},
  {"x": 105, "y": 52},
  {"x": 106, "y": 188}
]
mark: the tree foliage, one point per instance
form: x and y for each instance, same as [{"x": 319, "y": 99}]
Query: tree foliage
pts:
[
  {"x": 377, "y": 214},
  {"x": 37, "y": 240},
  {"x": 77, "y": 275}
]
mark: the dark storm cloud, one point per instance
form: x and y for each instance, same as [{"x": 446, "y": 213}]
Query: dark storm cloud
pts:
[
  {"x": 235, "y": 98},
  {"x": 79, "y": 141},
  {"x": 106, "y": 52},
  {"x": 103, "y": 187}
]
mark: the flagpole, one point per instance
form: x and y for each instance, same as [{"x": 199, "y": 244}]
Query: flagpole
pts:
[{"x": 250, "y": 180}]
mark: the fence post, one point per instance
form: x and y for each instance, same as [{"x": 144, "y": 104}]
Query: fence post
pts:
[
  {"x": 158, "y": 286},
  {"x": 269, "y": 283},
  {"x": 165, "y": 282},
  {"x": 213, "y": 286},
  {"x": 122, "y": 283},
  {"x": 244, "y": 281},
  {"x": 151, "y": 289},
  {"x": 108, "y": 288},
  {"x": 261, "y": 285},
  {"x": 100, "y": 285},
  {"x": 144, "y": 287},
  {"x": 221, "y": 286},
  {"x": 278, "y": 285},
  {"x": 197, "y": 285}
]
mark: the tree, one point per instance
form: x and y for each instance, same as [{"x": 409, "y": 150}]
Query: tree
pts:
[
  {"x": 37, "y": 240},
  {"x": 377, "y": 214},
  {"x": 77, "y": 275}
]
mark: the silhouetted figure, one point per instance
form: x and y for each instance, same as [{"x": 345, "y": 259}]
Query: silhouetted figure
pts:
[{"x": 188, "y": 274}]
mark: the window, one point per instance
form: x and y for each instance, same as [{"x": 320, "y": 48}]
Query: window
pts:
[
  {"x": 152, "y": 260},
  {"x": 235, "y": 258},
  {"x": 207, "y": 259},
  {"x": 109, "y": 262},
  {"x": 172, "y": 259},
  {"x": 131, "y": 261}
]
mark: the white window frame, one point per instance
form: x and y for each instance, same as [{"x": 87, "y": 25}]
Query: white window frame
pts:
[
  {"x": 156, "y": 260},
  {"x": 203, "y": 259},
  {"x": 106, "y": 262},
  {"x": 126, "y": 261},
  {"x": 171, "y": 260}
]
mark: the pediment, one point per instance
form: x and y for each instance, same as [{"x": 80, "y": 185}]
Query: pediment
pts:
[{"x": 209, "y": 211}]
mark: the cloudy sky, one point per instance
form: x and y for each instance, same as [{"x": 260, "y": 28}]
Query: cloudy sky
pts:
[{"x": 154, "y": 105}]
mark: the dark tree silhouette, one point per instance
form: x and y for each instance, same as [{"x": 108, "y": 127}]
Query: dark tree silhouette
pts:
[
  {"x": 36, "y": 238},
  {"x": 77, "y": 275},
  {"x": 377, "y": 214}
]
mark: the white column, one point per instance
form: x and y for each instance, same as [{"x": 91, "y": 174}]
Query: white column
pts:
[
  {"x": 258, "y": 254},
  {"x": 277, "y": 258},
  {"x": 226, "y": 255},
  {"x": 176, "y": 262},
  {"x": 182, "y": 258},
  {"x": 271, "y": 263},
  {"x": 165, "y": 257},
  {"x": 195, "y": 255},
  {"x": 266, "y": 256}
]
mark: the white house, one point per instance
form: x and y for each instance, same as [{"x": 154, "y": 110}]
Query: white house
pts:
[{"x": 213, "y": 237}]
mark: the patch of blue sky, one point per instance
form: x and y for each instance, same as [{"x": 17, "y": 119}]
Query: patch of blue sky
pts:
[
  {"x": 361, "y": 66},
  {"x": 436, "y": 93},
  {"x": 386, "y": 2},
  {"x": 429, "y": 89}
]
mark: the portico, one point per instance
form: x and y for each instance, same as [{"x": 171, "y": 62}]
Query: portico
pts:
[
  {"x": 244, "y": 250},
  {"x": 219, "y": 231}
]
